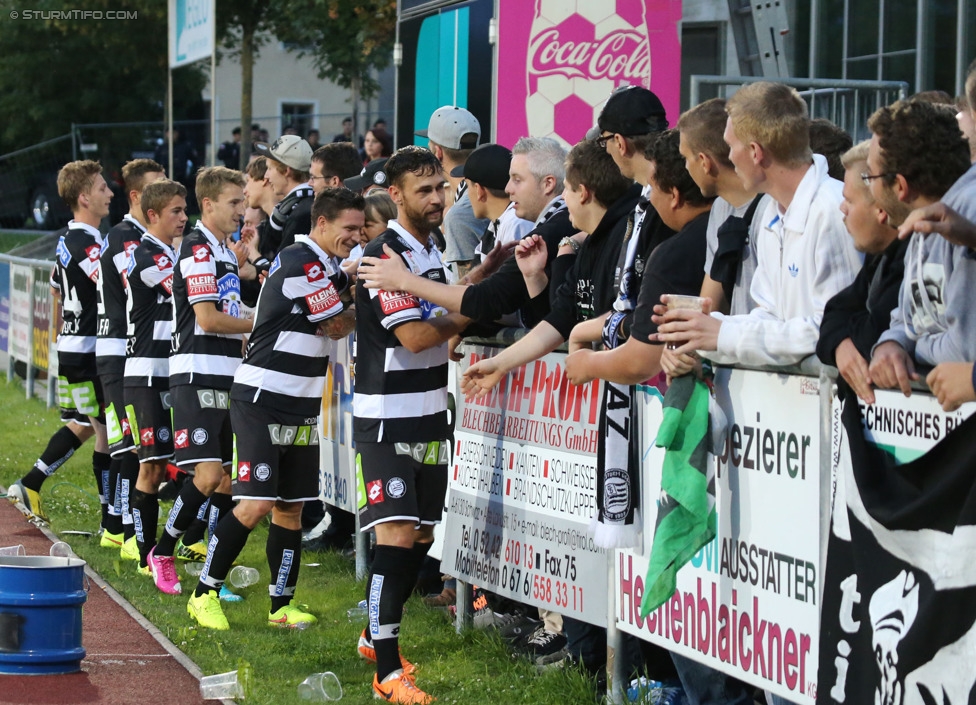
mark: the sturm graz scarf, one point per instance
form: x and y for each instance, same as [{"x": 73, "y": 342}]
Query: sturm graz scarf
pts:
[{"x": 898, "y": 620}]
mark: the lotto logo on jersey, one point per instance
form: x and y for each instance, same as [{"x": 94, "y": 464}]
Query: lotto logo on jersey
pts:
[
  {"x": 322, "y": 300},
  {"x": 181, "y": 439},
  {"x": 201, "y": 253},
  {"x": 130, "y": 247},
  {"x": 162, "y": 262},
  {"x": 201, "y": 285},
  {"x": 93, "y": 251},
  {"x": 314, "y": 272},
  {"x": 126, "y": 428},
  {"x": 374, "y": 491},
  {"x": 393, "y": 301},
  {"x": 146, "y": 437},
  {"x": 243, "y": 472}
]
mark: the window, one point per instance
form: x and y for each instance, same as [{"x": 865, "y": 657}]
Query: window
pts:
[{"x": 297, "y": 116}]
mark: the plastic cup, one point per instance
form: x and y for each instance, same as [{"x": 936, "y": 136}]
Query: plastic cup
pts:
[
  {"x": 194, "y": 568},
  {"x": 221, "y": 686},
  {"x": 17, "y": 550},
  {"x": 241, "y": 576},
  {"x": 357, "y": 613},
  {"x": 688, "y": 303},
  {"x": 61, "y": 550},
  {"x": 320, "y": 687}
]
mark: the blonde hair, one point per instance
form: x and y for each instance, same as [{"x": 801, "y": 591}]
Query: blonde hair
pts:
[
  {"x": 774, "y": 116},
  {"x": 76, "y": 178},
  {"x": 703, "y": 128},
  {"x": 211, "y": 181},
  {"x": 856, "y": 154}
]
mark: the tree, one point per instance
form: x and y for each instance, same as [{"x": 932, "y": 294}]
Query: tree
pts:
[
  {"x": 242, "y": 29},
  {"x": 346, "y": 40},
  {"x": 56, "y": 70}
]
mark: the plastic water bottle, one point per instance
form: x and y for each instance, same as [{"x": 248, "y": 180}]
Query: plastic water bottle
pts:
[
  {"x": 241, "y": 576},
  {"x": 360, "y": 611},
  {"x": 645, "y": 691}
]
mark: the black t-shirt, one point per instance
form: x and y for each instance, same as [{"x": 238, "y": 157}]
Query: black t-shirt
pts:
[{"x": 676, "y": 266}]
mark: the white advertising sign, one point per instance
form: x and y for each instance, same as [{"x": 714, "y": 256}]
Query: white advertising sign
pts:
[
  {"x": 522, "y": 491},
  {"x": 337, "y": 450},
  {"x": 191, "y": 31},
  {"x": 747, "y": 603},
  {"x": 21, "y": 312}
]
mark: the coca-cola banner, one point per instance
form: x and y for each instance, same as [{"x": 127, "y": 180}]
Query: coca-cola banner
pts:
[{"x": 559, "y": 60}]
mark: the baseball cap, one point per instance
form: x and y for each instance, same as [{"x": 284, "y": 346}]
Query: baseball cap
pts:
[
  {"x": 290, "y": 150},
  {"x": 488, "y": 166},
  {"x": 372, "y": 174},
  {"x": 631, "y": 111},
  {"x": 452, "y": 127}
]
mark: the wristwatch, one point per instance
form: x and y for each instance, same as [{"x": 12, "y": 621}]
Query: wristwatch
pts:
[{"x": 571, "y": 243}]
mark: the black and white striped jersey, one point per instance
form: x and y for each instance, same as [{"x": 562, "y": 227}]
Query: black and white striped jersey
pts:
[
  {"x": 120, "y": 242},
  {"x": 74, "y": 276},
  {"x": 400, "y": 396},
  {"x": 206, "y": 271},
  {"x": 286, "y": 360},
  {"x": 149, "y": 314}
]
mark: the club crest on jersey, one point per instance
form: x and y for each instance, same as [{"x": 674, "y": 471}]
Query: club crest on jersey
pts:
[
  {"x": 162, "y": 261},
  {"x": 322, "y": 300},
  {"x": 201, "y": 285},
  {"x": 393, "y": 301},
  {"x": 314, "y": 271},
  {"x": 64, "y": 255},
  {"x": 201, "y": 253}
]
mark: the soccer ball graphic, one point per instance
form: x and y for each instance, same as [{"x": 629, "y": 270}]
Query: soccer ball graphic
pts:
[{"x": 579, "y": 51}]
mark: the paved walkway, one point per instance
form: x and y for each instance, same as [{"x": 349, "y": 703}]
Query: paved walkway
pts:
[{"x": 128, "y": 660}]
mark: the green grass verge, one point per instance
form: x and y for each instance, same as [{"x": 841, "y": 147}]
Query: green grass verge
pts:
[
  {"x": 470, "y": 668},
  {"x": 9, "y": 241}
]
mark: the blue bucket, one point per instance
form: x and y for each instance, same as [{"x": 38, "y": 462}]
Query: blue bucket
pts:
[{"x": 40, "y": 614}]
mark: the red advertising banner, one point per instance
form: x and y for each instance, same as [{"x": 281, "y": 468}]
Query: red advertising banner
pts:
[{"x": 559, "y": 60}]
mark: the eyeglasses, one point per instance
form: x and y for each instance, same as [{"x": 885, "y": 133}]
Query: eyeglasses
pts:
[
  {"x": 866, "y": 177},
  {"x": 602, "y": 140},
  {"x": 312, "y": 179}
]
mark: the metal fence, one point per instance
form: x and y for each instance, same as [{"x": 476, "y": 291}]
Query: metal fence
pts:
[{"x": 843, "y": 102}]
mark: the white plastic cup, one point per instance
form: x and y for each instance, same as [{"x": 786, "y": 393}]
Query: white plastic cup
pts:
[
  {"x": 17, "y": 550},
  {"x": 687, "y": 303},
  {"x": 241, "y": 576},
  {"x": 193, "y": 568},
  {"x": 320, "y": 687},
  {"x": 61, "y": 550},
  {"x": 357, "y": 614},
  {"x": 221, "y": 686}
]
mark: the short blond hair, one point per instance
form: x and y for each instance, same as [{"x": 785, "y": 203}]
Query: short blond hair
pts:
[
  {"x": 157, "y": 195},
  {"x": 76, "y": 178},
  {"x": 774, "y": 116},
  {"x": 212, "y": 179},
  {"x": 856, "y": 154},
  {"x": 703, "y": 127}
]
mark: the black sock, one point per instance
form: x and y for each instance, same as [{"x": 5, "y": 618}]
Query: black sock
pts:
[
  {"x": 392, "y": 569},
  {"x": 284, "y": 550},
  {"x": 145, "y": 515},
  {"x": 417, "y": 554},
  {"x": 225, "y": 546},
  {"x": 128, "y": 474},
  {"x": 183, "y": 513},
  {"x": 198, "y": 527},
  {"x": 60, "y": 447},
  {"x": 101, "y": 463},
  {"x": 114, "y": 523},
  {"x": 220, "y": 505}
]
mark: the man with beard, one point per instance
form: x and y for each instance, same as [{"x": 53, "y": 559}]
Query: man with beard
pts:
[{"x": 400, "y": 415}]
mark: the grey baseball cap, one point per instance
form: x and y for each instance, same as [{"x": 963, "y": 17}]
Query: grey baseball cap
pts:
[
  {"x": 452, "y": 127},
  {"x": 290, "y": 150}
]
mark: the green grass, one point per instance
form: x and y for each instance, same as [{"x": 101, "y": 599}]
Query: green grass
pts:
[
  {"x": 470, "y": 668},
  {"x": 9, "y": 241}
]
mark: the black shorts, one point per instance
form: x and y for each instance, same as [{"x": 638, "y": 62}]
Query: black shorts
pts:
[
  {"x": 151, "y": 422},
  {"x": 201, "y": 426},
  {"x": 117, "y": 426},
  {"x": 276, "y": 455},
  {"x": 401, "y": 482},
  {"x": 80, "y": 393}
]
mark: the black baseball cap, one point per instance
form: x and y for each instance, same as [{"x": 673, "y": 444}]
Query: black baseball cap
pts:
[
  {"x": 372, "y": 174},
  {"x": 632, "y": 111},
  {"x": 487, "y": 165}
]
